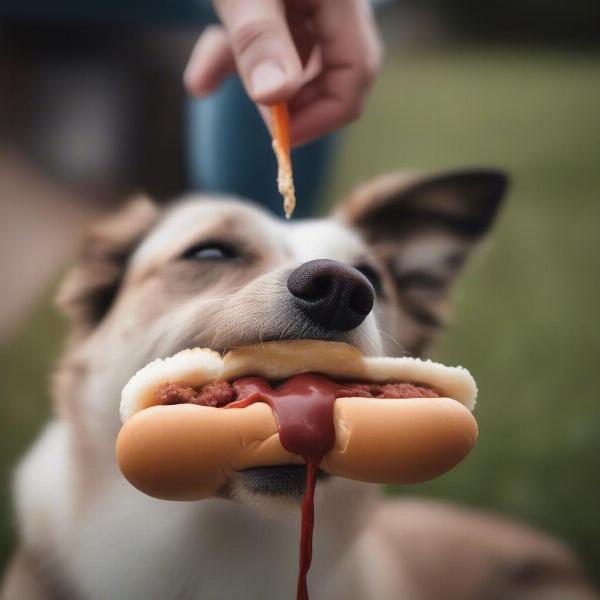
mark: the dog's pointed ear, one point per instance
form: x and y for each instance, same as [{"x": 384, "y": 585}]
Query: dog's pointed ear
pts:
[
  {"x": 92, "y": 284},
  {"x": 424, "y": 227}
]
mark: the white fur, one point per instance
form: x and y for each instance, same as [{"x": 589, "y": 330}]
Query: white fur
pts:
[
  {"x": 314, "y": 239},
  {"x": 42, "y": 488}
]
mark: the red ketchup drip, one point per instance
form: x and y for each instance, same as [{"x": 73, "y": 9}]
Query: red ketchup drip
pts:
[{"x": 303, "y": 407}]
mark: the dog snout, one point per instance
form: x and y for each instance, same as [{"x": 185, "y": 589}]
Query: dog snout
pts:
[{"x": 331, "y": 294}]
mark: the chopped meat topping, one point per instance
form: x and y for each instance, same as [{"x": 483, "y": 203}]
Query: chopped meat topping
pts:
[
  {"x": 220, "y": 393},
  {"x": 385, "y": 390},
  {"x": 216, "y": 394}
]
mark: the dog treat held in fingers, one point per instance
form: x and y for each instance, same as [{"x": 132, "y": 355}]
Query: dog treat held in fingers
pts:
[{"x": 282, "y": 147}]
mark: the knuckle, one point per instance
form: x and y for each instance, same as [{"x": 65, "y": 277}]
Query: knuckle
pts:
[
  {"x": 353, "y": 111},
  {"x": 253, "y": 34}
]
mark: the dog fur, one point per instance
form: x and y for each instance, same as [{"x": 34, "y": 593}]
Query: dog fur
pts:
[{"x": 85, "y": 533}]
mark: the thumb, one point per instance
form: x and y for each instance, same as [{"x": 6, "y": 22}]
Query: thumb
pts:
[{"x": 264, "y": 51}]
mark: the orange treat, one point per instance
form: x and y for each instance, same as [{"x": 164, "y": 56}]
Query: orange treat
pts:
[{"x": 281, "y": 147}]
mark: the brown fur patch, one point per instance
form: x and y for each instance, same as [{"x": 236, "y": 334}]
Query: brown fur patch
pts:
[{"x": 91, "y": 285}]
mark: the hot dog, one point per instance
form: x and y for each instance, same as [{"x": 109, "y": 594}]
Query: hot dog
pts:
[{"x": 188, "y": 451}]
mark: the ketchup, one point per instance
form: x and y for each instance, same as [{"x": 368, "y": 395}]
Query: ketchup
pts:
[{"x": 303, "y": 407}]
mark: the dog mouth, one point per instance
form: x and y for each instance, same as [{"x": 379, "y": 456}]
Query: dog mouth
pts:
[
  {"x": 312, "y": 333},
  {"x": 277, "y": 481}
]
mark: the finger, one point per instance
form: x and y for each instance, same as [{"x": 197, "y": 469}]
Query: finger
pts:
[
  {"x": 311, "y": 70},
  {"x": 210, "y": 63},
  {"x": 264, "y": 51},
  {"x": 312, "y": 87},
  {"x": 324, "y": 106},
  {"x": 309, "y": 55},
  {"x": 302, "y": 29},
  {"x": 350, "y": 56}
]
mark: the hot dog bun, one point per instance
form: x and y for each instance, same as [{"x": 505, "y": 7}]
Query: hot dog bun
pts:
[{"x": 187, "y": 452}]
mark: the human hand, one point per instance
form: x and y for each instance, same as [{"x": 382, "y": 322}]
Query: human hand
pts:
[{"x": 319, "y": 56}]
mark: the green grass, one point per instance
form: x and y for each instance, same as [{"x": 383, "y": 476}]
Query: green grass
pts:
[{"x": 526, "y": 313}]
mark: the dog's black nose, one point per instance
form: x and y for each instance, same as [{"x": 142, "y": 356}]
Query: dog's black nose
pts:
[{"x": 332, "y": 294}]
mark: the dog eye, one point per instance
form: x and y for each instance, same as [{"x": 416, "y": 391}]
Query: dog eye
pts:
[
  {"x": 372, "y": 275},
  {"x": 210, "y": 251}
]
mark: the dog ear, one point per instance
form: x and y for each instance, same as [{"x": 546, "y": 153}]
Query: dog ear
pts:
[
  {"x": 424, "y": 227},
  {"x": 92, "y": 284}
]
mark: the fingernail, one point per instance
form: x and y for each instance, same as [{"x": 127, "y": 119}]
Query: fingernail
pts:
[{"x": 266, "y": 78}]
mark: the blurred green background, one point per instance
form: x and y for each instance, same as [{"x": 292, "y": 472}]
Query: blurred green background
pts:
[{"x": 525, "y": 312}]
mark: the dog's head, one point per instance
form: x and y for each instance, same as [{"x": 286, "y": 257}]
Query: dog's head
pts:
[{"x": 220, "y": 273}]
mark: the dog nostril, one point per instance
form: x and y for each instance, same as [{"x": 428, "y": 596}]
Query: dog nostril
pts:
[
  {"x": 331, "y": 294},
  {"x": 310, "y": 288},
  {"x": 361, "y": 300}
]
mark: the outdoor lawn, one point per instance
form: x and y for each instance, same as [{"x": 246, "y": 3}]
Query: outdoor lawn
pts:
[{"x": 526, "y": 313}]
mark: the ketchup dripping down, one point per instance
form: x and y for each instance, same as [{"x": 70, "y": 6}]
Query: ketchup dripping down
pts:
[{"x": 303, "y": 407}]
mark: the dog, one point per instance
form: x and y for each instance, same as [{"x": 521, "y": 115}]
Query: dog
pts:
[{"x": 212, "y": 272}]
